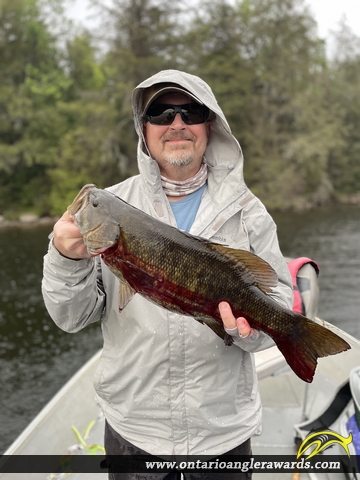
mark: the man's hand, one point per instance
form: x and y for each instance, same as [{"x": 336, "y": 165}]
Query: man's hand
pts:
[
  {"x": 68, "y": 239},
  {"x": 231, "y": 322}
]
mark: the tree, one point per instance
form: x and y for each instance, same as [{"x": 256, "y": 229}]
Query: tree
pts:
[
  {"x": 82, "y": 66},
  {"x": 143, "y": 37},
  {"x": 65, "y": 106},
  {"x": 32, "y": 82},
  {"x": 102, "y": 146},
  {"x": 267, "y": 66},
  {"x": 344, "y": 168}
]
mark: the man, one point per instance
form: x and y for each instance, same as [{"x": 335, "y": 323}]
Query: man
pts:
[{"x": 167, "y": 384}]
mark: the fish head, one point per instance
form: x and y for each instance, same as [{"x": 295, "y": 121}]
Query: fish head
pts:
[{"x": 91, "y": 211}]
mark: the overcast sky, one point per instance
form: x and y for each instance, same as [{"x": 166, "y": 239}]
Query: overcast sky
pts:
[{"x": 326, "y": 12}]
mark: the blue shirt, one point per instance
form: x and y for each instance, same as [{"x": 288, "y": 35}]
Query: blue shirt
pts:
[{"x": 185, "y": 210}]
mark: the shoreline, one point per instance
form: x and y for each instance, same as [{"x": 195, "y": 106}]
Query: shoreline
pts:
[{"x": 28, "y": 221}]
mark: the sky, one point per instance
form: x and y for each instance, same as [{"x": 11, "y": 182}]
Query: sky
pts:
[{"x": 327, "y": 13}]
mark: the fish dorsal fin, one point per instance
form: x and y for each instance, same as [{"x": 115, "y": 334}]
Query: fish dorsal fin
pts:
[{"x": 257, "y": 270}]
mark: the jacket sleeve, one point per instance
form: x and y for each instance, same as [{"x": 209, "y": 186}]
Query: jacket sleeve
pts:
[
  {"x": 262, "y": 233},
  {"x": 264, "y": 243},
  {"x": 255, "y": 342},
  {"x": 72, "y": 290}
]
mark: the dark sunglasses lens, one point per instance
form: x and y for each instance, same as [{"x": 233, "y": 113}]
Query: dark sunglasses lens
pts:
[
  {"x": 191, "y": 114},
  {"x": 194, "y": 113},
  {"x": 161, "y": 114}
]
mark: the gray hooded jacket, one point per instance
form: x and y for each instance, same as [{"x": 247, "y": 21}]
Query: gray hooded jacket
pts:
[{"x": 165, "y": 382}]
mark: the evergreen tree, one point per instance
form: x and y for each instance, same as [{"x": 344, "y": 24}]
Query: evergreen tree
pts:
[
  {"x": 344, "y": 168},
  {"x": 65, "y": 104},
  {"x": 267, "y": 67},
  {"x": 32, "y": 82}
]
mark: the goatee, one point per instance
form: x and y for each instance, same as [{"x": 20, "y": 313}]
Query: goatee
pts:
[
  {"x": 178, "y": 159},
  {"x": 178, "y": 156}
]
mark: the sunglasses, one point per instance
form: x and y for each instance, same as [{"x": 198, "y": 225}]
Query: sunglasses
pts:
[{"x": 164, "y": 114}]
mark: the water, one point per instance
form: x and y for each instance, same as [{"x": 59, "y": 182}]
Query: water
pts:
[
  {"x": 36, "y": 357},
  {"x": 330, "y": 236}
]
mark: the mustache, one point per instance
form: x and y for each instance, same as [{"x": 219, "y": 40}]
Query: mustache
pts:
[{"x": 178, "y": 136}]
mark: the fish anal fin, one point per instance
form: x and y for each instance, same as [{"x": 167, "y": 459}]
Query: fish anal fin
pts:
[{"x": 258, "y": 270}]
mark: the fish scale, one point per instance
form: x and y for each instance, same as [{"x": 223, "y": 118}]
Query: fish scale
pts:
[{"x": 191, "y": 276}]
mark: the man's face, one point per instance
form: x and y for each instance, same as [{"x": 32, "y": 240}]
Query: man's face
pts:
[{"x": 177, "y": 145}]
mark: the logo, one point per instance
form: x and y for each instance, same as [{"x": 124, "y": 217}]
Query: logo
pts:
[{"x": 322, "y": 440}]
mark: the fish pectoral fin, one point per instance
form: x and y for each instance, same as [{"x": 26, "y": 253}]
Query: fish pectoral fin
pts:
[
  {"x": 126, "y": 293},
  {"x": 216, "y": 328},
  {"x": 257, "y": 270}
]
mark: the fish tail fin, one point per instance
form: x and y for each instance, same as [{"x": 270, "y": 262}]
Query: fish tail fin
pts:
[{"x": 308, "y": 342}]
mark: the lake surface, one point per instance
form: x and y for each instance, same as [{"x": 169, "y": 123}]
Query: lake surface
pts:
[
  {"x": 330, "y": 236},
  {"x": 37, "y": 358}
]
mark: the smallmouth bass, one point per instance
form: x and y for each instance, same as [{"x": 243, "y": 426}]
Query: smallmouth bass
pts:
[{"x": 191, "y": 276}]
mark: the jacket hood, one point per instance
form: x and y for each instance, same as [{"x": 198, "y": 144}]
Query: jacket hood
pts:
[{"x": 223, "y": 153}]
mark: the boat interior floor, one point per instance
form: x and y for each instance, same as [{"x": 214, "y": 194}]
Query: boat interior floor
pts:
[{"x": 288, "y": 401}]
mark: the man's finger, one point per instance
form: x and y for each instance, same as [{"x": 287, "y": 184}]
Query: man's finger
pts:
[
  {"x": 243, "y": 326},
  {"x": 67, "y": 217},
  {"x": 231, "y": 322},
  {"x": 68, "y": 239},
  {"x": 227, "y": 315}
]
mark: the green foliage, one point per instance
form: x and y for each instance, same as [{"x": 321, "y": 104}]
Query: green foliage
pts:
[
  {"x": 90, "y": 152},
  {"x": 344, "y": 168},
  {"x": 65, "y": 105},
  {"x": 32, "y": 82},
  {"x": 82, "y": 68}
]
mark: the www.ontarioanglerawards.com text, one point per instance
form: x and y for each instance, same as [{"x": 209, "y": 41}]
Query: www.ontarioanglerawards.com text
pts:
[{"x": 244, "y": 466}]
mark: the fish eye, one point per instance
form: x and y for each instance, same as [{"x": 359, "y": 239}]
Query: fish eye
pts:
[{"x": 96, "y": 203}]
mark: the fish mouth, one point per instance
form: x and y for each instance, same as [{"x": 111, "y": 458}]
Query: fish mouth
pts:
[
  {"x": 99, "y": 230},
  {"x": 81, "y": 201}
]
